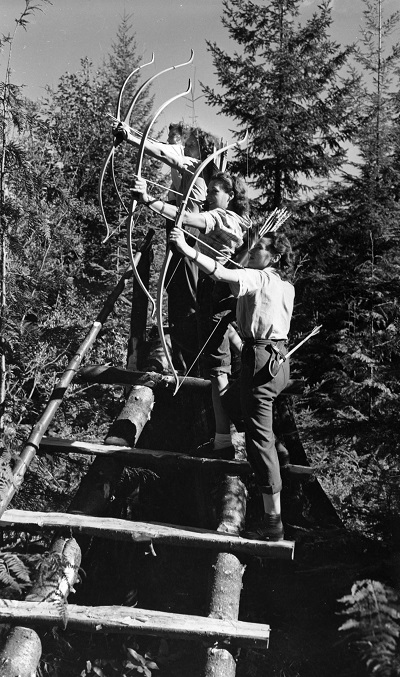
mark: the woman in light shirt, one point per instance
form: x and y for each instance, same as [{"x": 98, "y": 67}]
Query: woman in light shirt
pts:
[{"x": 263, "y": 314}]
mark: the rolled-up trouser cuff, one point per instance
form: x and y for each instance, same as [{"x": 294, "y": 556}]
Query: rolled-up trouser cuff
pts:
[{"x": 270, "y": 489}]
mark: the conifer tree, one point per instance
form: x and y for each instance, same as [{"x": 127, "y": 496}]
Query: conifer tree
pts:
[
  {"x": 19, "y": 200},
  {"x": 79, "y": 132},
  {"x": 287, "y": 87},
  {"x": 55, "y": 265},
  {"x": 349, "y": 282}
]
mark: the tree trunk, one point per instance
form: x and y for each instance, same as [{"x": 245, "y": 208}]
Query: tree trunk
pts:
[
  {"x": 21, "y": 653},
  {"x": 98, "y": 487},
  {"x": 227, "y": 571}
]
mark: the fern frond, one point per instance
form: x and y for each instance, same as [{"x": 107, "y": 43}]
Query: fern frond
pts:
[
  {"x": 374, "y": 621},
  {"x": 6, "y": 473},
  {"x": 13, "y": 571}
]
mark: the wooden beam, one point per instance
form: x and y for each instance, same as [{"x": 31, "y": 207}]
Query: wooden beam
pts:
[
  {"x": 97, "y": 373},
  {"x": 153, "y": 458},
  {"x": 133, "y": 621},
  {"x": 137, "y": 457},
  {"x": 144, "y": 532}
]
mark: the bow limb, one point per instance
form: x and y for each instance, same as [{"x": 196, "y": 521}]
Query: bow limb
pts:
[
  {"x": 121, "y": 91},
  {"x": 110, "y": 155},
  {"x": 136, "y": 96},
  {"x": 100, "y": 193},
  {"x": 159, "y": 314},
  {"x": 138, "y": 171},
  {"x": 149, "y": 81}
]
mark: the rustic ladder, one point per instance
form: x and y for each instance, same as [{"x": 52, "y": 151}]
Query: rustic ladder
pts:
[{"x": 221, "y": 631}]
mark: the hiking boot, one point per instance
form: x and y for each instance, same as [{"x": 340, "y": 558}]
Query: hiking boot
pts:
[
  {"x": 269, "y": 528},
  {"x": 207, "y": 450}
]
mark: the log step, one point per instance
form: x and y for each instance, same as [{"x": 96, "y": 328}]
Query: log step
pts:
[
  {"x": 98, "y": 373},
  {"x": 149, "y": 458},
  {"x": 133, "y": 621},
  {"x": 145, "y": 532}
]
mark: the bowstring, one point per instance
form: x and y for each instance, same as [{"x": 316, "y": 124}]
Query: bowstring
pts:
[{"x": 199, "y": 353}]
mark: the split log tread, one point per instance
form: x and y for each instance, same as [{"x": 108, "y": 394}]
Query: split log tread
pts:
[
  {"x": 150, "y": 458},
  {"x": 131, "y": 620},
  {"x": 97, "y": 373},
  {"x": 145, "y": 532}
]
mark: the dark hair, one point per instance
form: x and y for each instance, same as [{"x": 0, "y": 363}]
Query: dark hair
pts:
[
  {"x": 278, "y": 243},
  {"x": 234, "y": 183},
  {"x": 182, "y": 128},
  {"x": 207, "y": 142}
]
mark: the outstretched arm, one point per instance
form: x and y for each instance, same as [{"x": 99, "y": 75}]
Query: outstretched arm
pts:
[
  {"x": 164, "y": 209},
  {"x": 205, "y": 263},
  {"x": 160, "y": 151}
]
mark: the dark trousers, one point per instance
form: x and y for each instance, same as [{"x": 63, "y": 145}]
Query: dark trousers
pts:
[
  {"x": 257, "y": 392},
  {"x": 181, "y": 286}
]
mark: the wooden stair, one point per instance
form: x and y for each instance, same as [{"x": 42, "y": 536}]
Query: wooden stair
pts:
[
  {"x": 131, "y": 620},
  {"x": 142, "y": 532},
  {"x": 221, "y": 632},
  {"x": 152, "y": 458}
]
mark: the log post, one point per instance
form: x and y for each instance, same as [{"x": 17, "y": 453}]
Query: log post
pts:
[
  {"x": 97, "y": 488},
  {"x": 54, "y": 583},
  {"x": 21, "y": 653},
  {"x": 22, "y": 649},
  {"x": 227, "y": 571}
]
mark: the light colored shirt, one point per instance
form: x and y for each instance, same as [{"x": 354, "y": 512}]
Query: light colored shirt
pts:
[
  {"x": 264, "y": 300},
  {"x": 224, "y": 232}
]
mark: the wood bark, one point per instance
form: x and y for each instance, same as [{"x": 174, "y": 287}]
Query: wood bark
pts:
[
  {"x": 145, "y": 532},
  {"x": 134, "y": 621},
  {"x": 54, "y": 583},
  {"x": 227, "y": 574},
  {"x": 97, "y": 489},
  {"x": 22, "y": 649},
  {"x": 98, "y": 373},
  {"x": 21, "y": 652},
  {"x": 157, "y": 459}
]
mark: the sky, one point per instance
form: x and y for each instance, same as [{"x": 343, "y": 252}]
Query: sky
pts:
[{"x": 68, "y": 30}]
